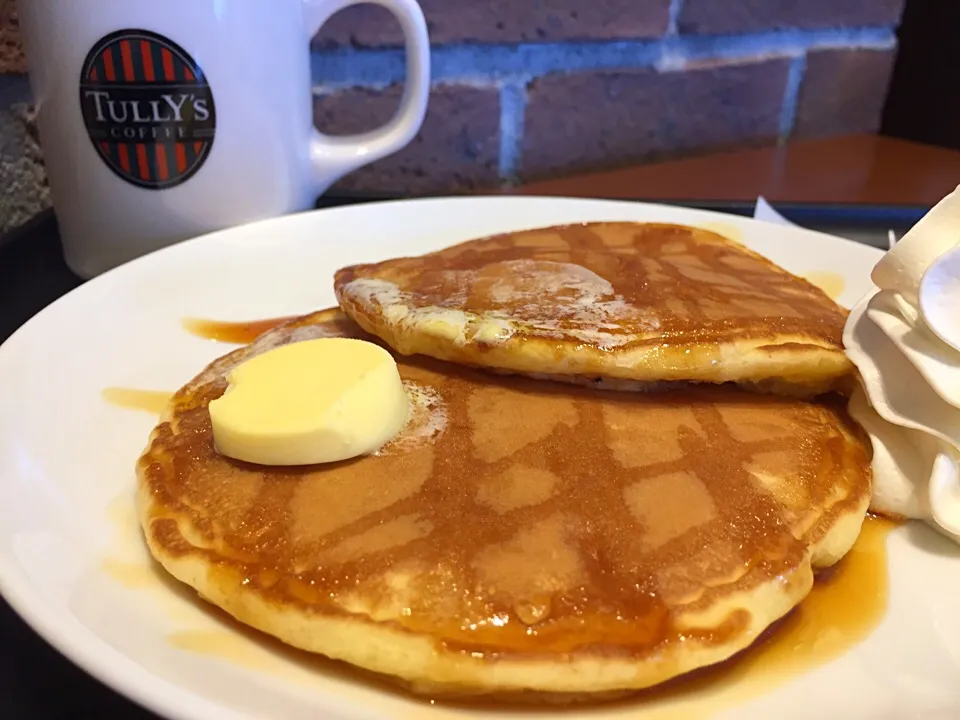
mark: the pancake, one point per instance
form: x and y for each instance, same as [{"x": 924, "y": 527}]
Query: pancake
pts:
[
  {"x": 518, "y": 536},
  {"x": 621, "y": 305}
]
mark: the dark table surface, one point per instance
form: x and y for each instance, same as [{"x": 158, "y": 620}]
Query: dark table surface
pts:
[{"x": 36, "y": 681}]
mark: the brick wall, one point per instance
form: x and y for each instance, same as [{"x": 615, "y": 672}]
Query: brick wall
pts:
[
  {"x": 526, "y": 89},
  {"x": 23, "y": 185}
]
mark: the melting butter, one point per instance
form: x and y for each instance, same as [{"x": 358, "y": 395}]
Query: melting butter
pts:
[{"x": 310, "y": 402}]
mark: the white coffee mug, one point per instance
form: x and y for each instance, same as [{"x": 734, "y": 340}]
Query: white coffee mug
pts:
[{"x": 160, "y": 120}]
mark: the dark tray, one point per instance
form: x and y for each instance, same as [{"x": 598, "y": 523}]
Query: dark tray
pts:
[{"x": 36, "y": 681}]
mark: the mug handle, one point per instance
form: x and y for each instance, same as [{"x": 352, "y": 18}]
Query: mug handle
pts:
[{"x": 331, "y": 157}]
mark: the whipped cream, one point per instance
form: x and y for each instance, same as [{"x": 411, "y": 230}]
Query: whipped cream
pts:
[{"x": 904, "y": 337}]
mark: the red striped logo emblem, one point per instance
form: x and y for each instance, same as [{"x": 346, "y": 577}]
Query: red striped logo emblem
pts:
[{"x": 148, "y": 108}]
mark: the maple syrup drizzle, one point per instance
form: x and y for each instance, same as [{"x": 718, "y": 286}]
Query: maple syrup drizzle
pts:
[
  {"x": 833, "y": 284},
  {"x": 727, "y": 229},
  {"x": 650, "y": 267},
  {"x": 151, "y": 401},
  {"x": 238, "y": 333},
  {"x": 844, "y": 607}
]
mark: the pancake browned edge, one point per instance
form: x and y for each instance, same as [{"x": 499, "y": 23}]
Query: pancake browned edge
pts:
[
  {"x": 520, "y": 539},
  {"x": 626, "y": 306}
]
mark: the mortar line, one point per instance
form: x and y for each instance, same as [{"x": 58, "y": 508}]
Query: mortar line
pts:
[
  {"x": 791, "y": 96},
  {"x": 513, "y": 104},
  {"x": 676, "y": 8},
  {"x": 493, "y": 64}
]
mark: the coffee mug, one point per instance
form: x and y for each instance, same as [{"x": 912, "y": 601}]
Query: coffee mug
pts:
[{"x": 163, "y": 120}]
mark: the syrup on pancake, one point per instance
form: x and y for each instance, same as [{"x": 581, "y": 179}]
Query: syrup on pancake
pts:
[
  {"x": 520, "y": 535},
  {"x": 626, "y": 301}
]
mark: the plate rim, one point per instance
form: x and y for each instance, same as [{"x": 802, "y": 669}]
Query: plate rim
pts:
[{"x": 215, "y": 235}]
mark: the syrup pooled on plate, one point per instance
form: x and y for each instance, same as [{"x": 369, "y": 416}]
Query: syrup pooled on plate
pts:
[
  {"x": 833, "y": 284},
  {"x": 846, "y": 604},
  {"x": 151, "y": 401},
  {"x": 843, "y": 608},
  {"x": 238, "y": 333}
]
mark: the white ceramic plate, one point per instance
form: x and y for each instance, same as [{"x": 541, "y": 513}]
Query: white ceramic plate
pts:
[{"x": 73, "y": 565}]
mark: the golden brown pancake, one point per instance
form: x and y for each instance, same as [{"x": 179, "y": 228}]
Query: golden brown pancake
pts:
[
  {"x": 518, "y": 535},
  {"x": 624, "y": 304}
]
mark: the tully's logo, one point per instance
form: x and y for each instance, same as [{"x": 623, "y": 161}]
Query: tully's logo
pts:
[{"x": 148, "y": 108}]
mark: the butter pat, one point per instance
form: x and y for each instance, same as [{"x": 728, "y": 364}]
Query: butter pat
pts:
[{"x": 310, "y": 402}]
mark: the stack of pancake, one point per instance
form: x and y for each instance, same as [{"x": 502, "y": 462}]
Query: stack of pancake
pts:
[{"x": 627, "y": 457}]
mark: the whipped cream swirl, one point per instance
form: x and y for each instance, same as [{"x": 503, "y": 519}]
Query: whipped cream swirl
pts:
[{"x": 904, "y": 337}]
